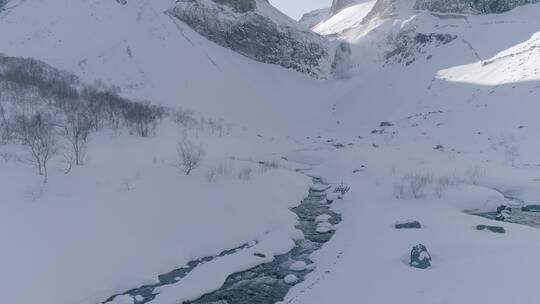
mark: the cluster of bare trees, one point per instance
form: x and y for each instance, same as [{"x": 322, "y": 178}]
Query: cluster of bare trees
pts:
[
  {"x": 50, "y": 112},
  {"x": 188, "y": 120}
]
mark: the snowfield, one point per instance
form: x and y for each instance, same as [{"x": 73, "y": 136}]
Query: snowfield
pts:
[
  {"x": 421, "y": 131},
  {"x": 129, "y": 215}
]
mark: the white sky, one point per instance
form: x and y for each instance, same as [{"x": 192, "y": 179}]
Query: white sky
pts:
[{"x": 296, "y": 8}]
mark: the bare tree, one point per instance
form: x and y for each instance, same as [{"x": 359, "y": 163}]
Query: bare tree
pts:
[
  {"x": 512, "y": 154},
  {"x": 75, "y": 130},
  {"x": 190, "y": 156},
  {"x": 37, "y": 134},
  {"x": 184, "y": 118}
]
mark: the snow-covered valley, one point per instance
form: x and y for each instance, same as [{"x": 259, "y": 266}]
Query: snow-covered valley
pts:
[{"x": 430, "y": 115}]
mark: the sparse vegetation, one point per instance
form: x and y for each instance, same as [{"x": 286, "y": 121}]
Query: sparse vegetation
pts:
[
  {"x": 49, "y": 112},
  {"x": 190, "y": 156},
  {"x": 420, "y": 185}
]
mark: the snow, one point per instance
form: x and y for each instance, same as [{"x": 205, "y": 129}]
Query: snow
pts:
[
  {"x": 123, "y": 299},
  {"x": 298, "y": 266},
  {"x": 210, "y": 276},
  {"x": 323, "y": 218},
  {"x": 345, "y": 19},
  {"x": 128, "y": 215},
  {"x": 291, "y": 279}
]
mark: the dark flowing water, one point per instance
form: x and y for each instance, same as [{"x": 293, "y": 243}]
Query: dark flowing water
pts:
[
  {"x": 264, "y": 284},
  {"x": 517, "y": 216}
]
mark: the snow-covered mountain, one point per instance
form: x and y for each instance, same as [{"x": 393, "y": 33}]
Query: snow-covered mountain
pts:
[
  {"x": 426, "y": 109},
  {"x": 471, "y": 6},
  {"x": 259, "y": 31}
]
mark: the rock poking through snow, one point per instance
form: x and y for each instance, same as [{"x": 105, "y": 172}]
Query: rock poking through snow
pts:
[
  {"x": 495, "y": 229},
  {"x": 420, "y": 257},
  {"x": 408, "y": 225}
]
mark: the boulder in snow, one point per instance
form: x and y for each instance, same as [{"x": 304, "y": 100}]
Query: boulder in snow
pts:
[
  {"x": 291, "y": 279},
  {"x": 298, "y": 266},
  {"x": 408, "y": 225},
  {"x": 420, "y": 257},
  {"x": 496, "y": 229}
]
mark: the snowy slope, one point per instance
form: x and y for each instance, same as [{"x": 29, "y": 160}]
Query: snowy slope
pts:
[
  {"x": 476, "y": 98},
  {"x": 345, "y": 19},
  {"x": 466, "y": 85},
  {"x": 151, "y": 56}
]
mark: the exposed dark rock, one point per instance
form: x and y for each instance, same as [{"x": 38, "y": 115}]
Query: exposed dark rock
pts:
[
  {"x": 2, "y": 4},
  {"x": 238, "y": 26},
  {"x": 439, "y": 148},
  {"x": 338, "y": 5},
  {"x": 406, "y": 45},
  {"x": 313, "y": 18},
  {"x": 239, "y": 6},
  {"x": 408, "y": 225},
  {"x": 420, "y": 257},
  {"x": 259, "y": 255},
  {"x": 503, "y": 213},
  {"x": 386, "y": 124},
  {"x": 495, "y": 229},
  {"x": 471, "y": 6}
]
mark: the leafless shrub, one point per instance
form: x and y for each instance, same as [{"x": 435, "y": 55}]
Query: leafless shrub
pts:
[
  {"x": 441, "y": 184},
  {"x": 512, "y": 154},
  {"x": 211, "y": 175},
  {"x": 184, "y": 118},
  {"x": 75, "y": 130},
  {"x": 33, "y": 194},
  {"x": 265, "y": 166},
  {"x": 245, "y": 174},
  {"x": 37, "y": 135},
  {"x": 476, "y": 174},
  {"x": 399, "y": 190},
  {"x": 190, "y": 156},
  {"x": 418, "y": 183}
]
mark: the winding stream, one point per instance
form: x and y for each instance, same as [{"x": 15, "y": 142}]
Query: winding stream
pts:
[
  {"x": 266, "y": 283},
  {"x": 517, "y": 216}
]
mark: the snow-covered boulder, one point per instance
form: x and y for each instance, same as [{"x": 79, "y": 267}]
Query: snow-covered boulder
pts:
[
  {"x": 298, "y": 266},
  {"x": 324, "y": 227},
  {"x": 323, "y": 218},
  {"x": 420, "y": 257},
  {"x": 291, "y": 279}
]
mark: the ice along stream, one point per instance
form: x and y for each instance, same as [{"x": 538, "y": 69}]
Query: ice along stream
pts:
[{"x": 267, "y": 283}]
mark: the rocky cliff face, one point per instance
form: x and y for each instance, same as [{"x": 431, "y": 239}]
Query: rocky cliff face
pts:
[
  {"x": 382, "y": 9},
  {"x": 257, "y": 30},
  {"x": 471, "y": 6},
  {"x": 2, "y": 4},
  {"x": 338, "y": 5},
  {"x": 313, "y": 18}
]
